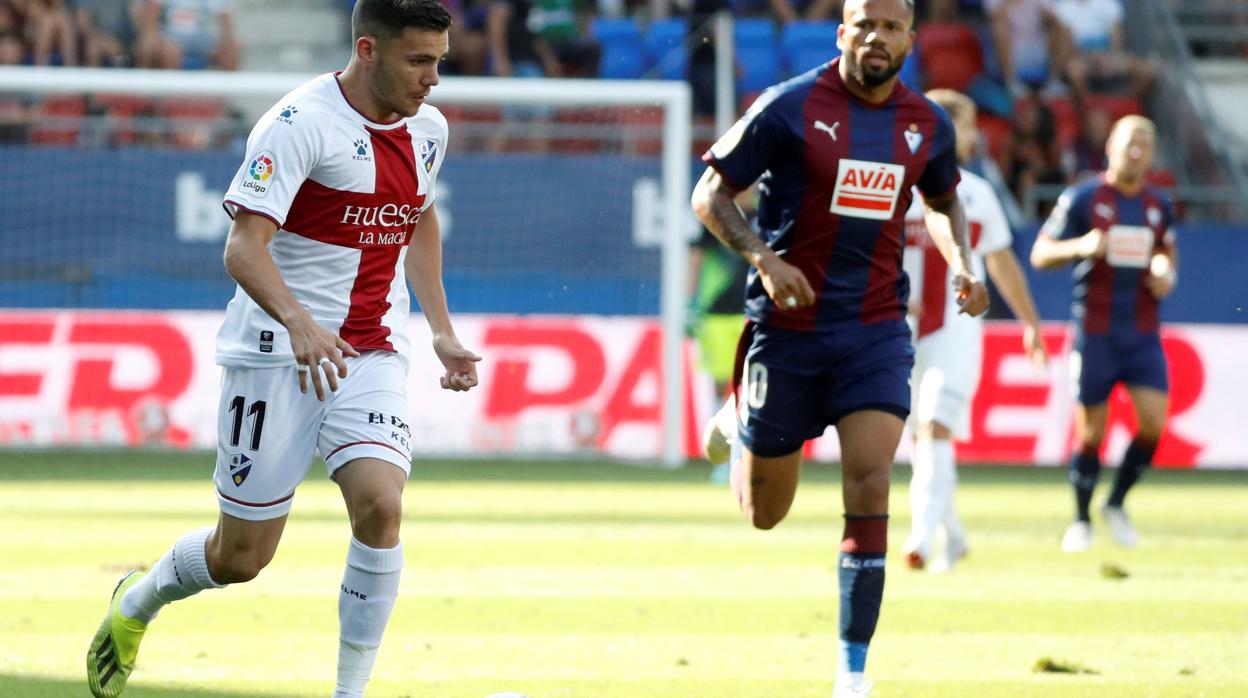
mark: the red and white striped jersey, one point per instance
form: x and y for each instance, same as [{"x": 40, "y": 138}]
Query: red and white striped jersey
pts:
[
  {"x": 345, "y": 193},
  {"x": 930, "y": 280}
]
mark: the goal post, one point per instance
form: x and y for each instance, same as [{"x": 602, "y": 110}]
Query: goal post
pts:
[{"x": 667, "y": 151}]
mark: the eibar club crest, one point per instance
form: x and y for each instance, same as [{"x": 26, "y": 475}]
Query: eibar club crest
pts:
[
  {"x": 914, "y": 139},
  {"x": 428, "y": 150}
]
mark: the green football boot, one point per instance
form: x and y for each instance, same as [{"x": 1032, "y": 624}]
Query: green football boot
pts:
[{"x": 115, "y": 646}]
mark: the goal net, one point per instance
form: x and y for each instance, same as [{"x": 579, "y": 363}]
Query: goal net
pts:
[{"x": 564, "y": 213}]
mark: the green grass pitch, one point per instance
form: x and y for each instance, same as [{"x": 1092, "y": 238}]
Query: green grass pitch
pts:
[{"x": 595, "y": 580}]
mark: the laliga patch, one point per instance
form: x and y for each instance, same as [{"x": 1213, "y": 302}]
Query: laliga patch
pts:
[
  {"x": 240, "y": 467},
  {"x": 867, "y": 189},
  {"x": 428, "y": 151},
  {"x": 259, "y": 176},
  {"x": 914, "y": 139},
  {"x": 1130, "y": 246}
]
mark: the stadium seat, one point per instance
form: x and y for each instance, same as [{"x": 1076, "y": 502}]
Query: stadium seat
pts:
[
  {"x": 194, "y": 120},
  {"x": 58, "y": 119},
  {"x": 952, "y": 55},
  {"x": 994, "y": 131},
  {"x": 808, "y": 44},
  {"x": 912, "y": 72},
  {"x": 575, "y": 131},
  {"x": 757, "y": 65},
  {"x": 1066, "y": 118},
  {"x": 1117, "y": 106},
  {"x": 665, "y": 48},
  {"x": 121, "y": 112},
  {"x": 623, "y": 55},
  {"x": 641, "y": 129}
]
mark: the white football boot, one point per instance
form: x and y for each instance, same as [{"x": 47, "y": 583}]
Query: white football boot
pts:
[
  {"x": 1078, "y": 537},
  {"x": 1120, "y": 527}
]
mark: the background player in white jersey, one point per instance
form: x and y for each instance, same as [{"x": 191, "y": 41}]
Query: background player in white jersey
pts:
[
  {"x": 948, "y": 344},
  {"x": 338, "y": 180}
]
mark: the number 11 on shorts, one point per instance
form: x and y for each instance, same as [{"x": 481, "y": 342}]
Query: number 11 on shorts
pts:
[{"x": 255, "y": 412}]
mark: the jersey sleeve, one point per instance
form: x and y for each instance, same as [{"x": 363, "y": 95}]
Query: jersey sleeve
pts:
[
  {"x": 746, "y": 150},
  {"x": 1167, "y": 210},
  {"x": 995, "y": 234},
  {"x": 280, "y": 156},
  {"x": 1068, "y": 219},
  {"x": 438, "y": 157},
  {"x": 941, "y": 174}
]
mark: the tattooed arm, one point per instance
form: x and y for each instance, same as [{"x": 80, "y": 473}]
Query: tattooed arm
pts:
[{"x": 715, "y": 205}]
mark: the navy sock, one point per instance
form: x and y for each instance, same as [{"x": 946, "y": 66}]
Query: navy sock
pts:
[
  {"x": 862, "y": 587},
  {"x": 1085, "y": 468},
  {"x": 1135, "y": 461}
]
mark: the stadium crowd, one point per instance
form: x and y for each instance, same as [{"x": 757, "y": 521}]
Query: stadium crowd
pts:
[{"x": 1048, "y": 76}]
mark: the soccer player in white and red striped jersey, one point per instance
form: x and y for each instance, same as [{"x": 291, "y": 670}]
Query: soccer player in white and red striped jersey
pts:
[
  {"x": 333, "y": 206},
  {"x": 948, "y": 344}
]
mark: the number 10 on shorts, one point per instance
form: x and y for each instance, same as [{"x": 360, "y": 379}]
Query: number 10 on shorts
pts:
[{"x": 755, "y": 385}]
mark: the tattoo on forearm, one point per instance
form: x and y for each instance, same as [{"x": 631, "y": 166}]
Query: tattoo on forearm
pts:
[{"x": 730, "y": 226}]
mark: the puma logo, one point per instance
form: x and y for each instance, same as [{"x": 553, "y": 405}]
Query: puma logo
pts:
[{"x": 830, "y": 130}]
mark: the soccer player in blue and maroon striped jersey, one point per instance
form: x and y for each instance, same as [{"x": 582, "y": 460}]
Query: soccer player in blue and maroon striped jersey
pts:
[
  {"x": 835, "y": 152},
  {"x": 1119, "y": 232}
]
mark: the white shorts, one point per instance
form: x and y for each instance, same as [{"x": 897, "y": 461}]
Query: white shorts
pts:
[
  {"x": 267, "y": 431},
  {"x": 946, "y": 374}
]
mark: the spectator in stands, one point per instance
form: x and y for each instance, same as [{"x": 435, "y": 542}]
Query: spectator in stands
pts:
[
  {"x": 1032, "y": 155},
  {"x": 187, "y": 33},
  {"x": 1029, "y": 39},
  {"x": 48, "y": 30},
  {"x": 789, "y": 11},
  {"x": 468, "y": 45},
  {"x": 11, "y": 47},
  {"x": 1087, "y": 154},
  {"x": 107, "y": 31},
  {"x": 701, "y": 46},
  {"x": 534, "y": 38},
  {"x": 1098, "y": 57}
]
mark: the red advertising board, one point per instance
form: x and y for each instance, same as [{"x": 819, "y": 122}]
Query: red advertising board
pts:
[{"x": 560, "y": 385}]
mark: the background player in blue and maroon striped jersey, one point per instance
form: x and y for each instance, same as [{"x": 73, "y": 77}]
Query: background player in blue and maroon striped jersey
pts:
[
  {"x": 836, "y": 152},
  {"x": 1119, "y": 232}
]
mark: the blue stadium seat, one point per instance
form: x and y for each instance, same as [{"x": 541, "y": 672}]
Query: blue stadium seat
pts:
[
  {"x": 808, "y": 44},
  {"x": 757, "y": 62},
  {"x": 665, "y": 48},
  {"x": 623, "y": 55},
  {"x": 910, "y": 73}
]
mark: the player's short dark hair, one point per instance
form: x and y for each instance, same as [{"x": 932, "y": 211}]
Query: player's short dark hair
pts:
[{"x": 388, "y": 18}]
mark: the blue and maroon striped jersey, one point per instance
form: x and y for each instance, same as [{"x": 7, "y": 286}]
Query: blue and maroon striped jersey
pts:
[
  {"x": 835, "y": 176},
  {"x": 1109, "y": 292}
]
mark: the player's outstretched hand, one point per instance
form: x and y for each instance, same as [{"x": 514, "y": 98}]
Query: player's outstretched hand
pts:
[
  {"x": 785, "y": 284},
  {"x": 460, "y": 364},
  {"x": 1033, "y": 344},
  {"x": 972, "y": 295},
  {"x": 318, "y": 352}
]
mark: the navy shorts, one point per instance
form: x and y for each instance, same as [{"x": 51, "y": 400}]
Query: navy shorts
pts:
[
  {"x": 795, "y": 384},
  {"x": 1101, "y": 360}
]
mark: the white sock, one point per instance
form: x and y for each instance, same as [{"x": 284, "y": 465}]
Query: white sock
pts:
[
  {"x": 924, "y": 515},
  {"x": 944, "y": 482},
  {"x": 370, "y": 585},
  {"x": 851, "y": 679},
  {"x": 182, "y": 572}
]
